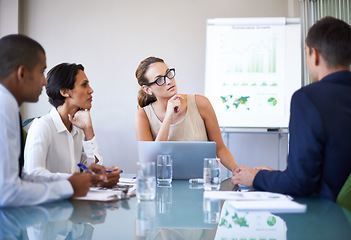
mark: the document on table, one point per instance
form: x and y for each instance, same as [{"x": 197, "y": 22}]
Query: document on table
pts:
[
  {"x": 111, "y": 194},
  {"x": 258, "y": 201},
  {"x": 97, "y": 194},
  {"x": 254, "y": 225}
]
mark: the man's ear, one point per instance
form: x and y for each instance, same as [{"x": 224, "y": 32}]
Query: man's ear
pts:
[
  {"x": 64, "y": 92},
  {"x": 147, "y": 90},
  {"x": 316, "y": 56},
  {"x": 21, "y": 73}
]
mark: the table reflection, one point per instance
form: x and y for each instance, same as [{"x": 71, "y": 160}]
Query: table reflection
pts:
[
  {"x": 323, "y": 219},
  {"x": 177, "y": 216},
  {"x": 56, "y": 220},
  {"x": 211, "y": 210},
  {"x": 164, "y": 199}
]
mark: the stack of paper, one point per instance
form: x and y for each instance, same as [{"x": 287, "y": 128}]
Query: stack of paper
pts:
[
  {"x": 247, "y": 225},
  {"x": 114, "y": 193},
  {"x": 258, "y": 201},
  {"x": 98, "y": 194}
]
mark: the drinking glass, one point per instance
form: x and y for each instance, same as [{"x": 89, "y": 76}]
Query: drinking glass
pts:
[
  {"x": 164, "y": 169},
  {"x": 146, "y": 181},
  {"x": 211, "y": 174}
]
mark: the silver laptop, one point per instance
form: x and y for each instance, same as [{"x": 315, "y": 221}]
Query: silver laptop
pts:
[{"x": 187, "y": 157}]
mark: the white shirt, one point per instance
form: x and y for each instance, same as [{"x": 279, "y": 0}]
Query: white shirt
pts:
[
  {"x": 15, "y": 191},
  {"x": 52, "y": 151}
]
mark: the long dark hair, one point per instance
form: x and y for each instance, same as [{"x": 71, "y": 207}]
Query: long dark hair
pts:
[{"x": 145, "y": 99}]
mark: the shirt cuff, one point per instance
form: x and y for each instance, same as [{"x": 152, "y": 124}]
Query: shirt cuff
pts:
[{"x": 91, "y": 150}]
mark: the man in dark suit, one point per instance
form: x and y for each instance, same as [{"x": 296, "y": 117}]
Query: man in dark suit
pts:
[{"x": 319, "y": 159}]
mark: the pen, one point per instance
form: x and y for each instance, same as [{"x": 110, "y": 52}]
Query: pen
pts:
[
  {"x": 110, "y": 171},
  {"x": 196, "y": 180},
  {"x": 87, "y": 170},
  {"x": 84, "y": 168}
]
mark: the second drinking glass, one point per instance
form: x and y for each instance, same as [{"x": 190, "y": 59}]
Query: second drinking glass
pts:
[{"x": 164, "y": 170}]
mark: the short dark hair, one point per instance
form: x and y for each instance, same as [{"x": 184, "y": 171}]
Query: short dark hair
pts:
[
  {"x": 17, "y": 50},
  {"x": 331, "y": 37},
  {"x": 60, "y": 77}
]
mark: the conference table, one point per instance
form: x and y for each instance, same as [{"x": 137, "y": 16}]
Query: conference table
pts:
[{"x": 178, "y": 212}]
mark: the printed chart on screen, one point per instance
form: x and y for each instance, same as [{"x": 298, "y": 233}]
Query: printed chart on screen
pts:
[{"x": 253, "y": 66}]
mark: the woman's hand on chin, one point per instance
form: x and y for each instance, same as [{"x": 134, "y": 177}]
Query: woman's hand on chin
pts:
[
  {"x": 81, "y": 119},
  {"x": 173, "y": 105}
]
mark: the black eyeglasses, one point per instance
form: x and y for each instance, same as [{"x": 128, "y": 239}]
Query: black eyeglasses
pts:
[{"x": 161, "y": 80}]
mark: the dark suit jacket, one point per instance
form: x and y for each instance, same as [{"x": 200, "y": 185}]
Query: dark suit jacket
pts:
[{"x": 319, "y": 159}]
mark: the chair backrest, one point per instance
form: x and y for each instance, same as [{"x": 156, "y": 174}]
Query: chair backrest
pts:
[
  {"x": 25, "y": 123},
  {"x": 344, "y": 196},
  {"x": 28, "y": 121}
]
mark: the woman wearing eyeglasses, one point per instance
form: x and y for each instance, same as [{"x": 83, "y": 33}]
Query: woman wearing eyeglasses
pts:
[{"x": 165, "y": 115}]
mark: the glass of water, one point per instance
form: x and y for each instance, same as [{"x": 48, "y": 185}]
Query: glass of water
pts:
[
  {"x": 146, "y": 181},
  {"x": 211, "y": 174},
  {"x": 164, "y": 169}
]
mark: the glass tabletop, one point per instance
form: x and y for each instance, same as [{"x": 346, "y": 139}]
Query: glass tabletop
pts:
[{"x": 178, "y": 212}]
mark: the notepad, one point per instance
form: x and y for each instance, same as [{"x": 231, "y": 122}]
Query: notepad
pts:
[
  {"x": 249, "y": 225},
  {"x": 272, "y": 206},
  {"x": 111, "y": 194},
  {"x": 95, "y": 194},
  {"x": 258, "y": 201}
]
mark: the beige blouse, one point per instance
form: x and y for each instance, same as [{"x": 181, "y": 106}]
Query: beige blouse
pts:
[{"x": 191, "y": 128}]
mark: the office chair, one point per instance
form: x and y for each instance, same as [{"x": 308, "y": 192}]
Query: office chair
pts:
[
  {"x": 344, "y": 196},
  {"x": 25, "y": 123}
]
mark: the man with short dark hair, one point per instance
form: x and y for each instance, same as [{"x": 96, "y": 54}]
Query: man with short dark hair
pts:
[
  {"x": 319, "y": 159},
  {"x": 22, "y": 65}
]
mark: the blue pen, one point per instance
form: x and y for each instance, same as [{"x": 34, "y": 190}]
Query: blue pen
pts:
[
  {"x": 85, "y": 168},
  {"x": 109, "y": 171}
]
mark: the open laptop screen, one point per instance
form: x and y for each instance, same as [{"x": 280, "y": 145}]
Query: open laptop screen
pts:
[{"x": 187, "y": 157}]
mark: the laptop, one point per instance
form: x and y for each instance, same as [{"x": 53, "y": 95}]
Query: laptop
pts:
[{"x": 187, "y": 157}]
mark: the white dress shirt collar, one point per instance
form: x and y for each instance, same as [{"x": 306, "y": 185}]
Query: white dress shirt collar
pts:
[
  {"x": 60, "y": 126},
  {"x": 7, "y": 92}
]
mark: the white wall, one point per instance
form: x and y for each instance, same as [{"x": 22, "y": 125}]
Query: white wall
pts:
[
  {"x": 111, "y": 37},
  {"x": 8, "y": 17}
]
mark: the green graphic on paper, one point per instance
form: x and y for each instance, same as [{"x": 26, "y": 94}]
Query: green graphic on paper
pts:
[
  {"x": 240, "y": 221},
  {"x": 229, "y": 101},
  {"x": 272, "y": 102},
  {"x": 224, "y": 222},
  {"x": 271, "y": 221}
]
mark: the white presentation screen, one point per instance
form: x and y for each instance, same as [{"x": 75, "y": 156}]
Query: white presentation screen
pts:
[{"x": 253, "y": 66}]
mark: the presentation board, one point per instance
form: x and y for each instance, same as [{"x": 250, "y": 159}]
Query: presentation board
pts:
[{"x": 253, "y": 66}]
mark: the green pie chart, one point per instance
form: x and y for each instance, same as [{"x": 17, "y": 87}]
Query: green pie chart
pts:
[
  {"x": 271, "y": 221},
  {"x": 272, "y": 102}
]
